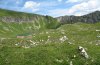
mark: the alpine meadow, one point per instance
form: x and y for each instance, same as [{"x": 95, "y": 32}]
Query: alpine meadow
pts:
[{"x": 35, "y": 39}]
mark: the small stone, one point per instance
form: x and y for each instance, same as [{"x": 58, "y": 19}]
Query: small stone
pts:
[
  {"x": 16, "y": 44},
  {"x": 59, "y": 60},
  {"x": 98, "y": 36},
  {"x": 71, "y": 63},
  {"x": 97, "y": 30},
  {"x": 69, "y": 43},
  {"x": 74, "y": 56}
]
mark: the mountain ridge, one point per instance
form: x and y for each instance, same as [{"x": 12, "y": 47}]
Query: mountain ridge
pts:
[
  {"x": 88, "y": 18},
  {"x": 14, "y": 16}
]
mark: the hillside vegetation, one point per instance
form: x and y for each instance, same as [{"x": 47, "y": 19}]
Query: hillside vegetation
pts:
[
  {"x": 48, "y": 48},
  {"x": 35, "y": 20},
  {"x": 45, "y": 42}
]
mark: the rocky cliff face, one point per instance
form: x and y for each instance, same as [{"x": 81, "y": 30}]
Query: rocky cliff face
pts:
[
  {"x": 89, "y": 18},
  {"x": 16, "y": 19}
]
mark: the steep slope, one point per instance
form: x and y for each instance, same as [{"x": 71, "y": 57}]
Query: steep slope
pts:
[
  {"x": 13, "y": 16},
  {"x": 39, "y": 21},
  {"x": 89, "y": 18}
]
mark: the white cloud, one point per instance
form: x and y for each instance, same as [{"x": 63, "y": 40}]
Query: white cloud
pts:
[
  {"x": 31, "y": 5},
  {"x": 78, "y": 9},
  {"x": 57, "y": 12},
  {"x": 85, "y": 7}
]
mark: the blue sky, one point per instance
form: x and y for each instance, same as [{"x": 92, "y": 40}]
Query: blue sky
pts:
[{"x": 53, "y": 8}]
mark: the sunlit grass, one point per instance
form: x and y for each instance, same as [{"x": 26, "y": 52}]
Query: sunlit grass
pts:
[{"x": 46, "y": 47}]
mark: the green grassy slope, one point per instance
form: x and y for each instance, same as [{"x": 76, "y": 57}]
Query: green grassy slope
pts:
[
  {"x": 21, "y": 19},
  {"x": 46, "y": 47}
]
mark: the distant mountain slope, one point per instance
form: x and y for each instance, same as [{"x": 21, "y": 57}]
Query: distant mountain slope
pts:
[
  {"x": 39, "y": 21},
  {"x": 89, "y": 18},
  {"x": 13, "y": 16}
]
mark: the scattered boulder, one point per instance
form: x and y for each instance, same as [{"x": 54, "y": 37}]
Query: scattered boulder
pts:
[
  {"x": 83, "y": 52},
  {"x": 98, "y": 36},
  {"x": 74, "y": 56},
  {"x": 48, "y": 36},
  {"x": 97, "y": 30},
  {"x": 64, "y": 38},
  {"x": 70, "y": 43},
  {"x": 59, "y": 60},
  {"x": 71, "y": 63},
  {"x": 16, "y": 44},
  {"x": 26, "y": 47},
  {"x": 33, "y": 43}
]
